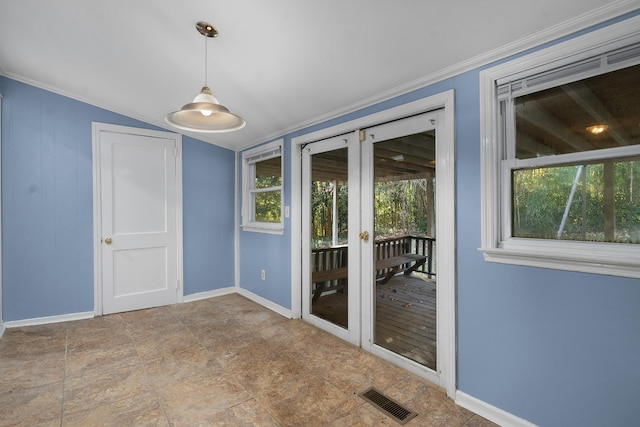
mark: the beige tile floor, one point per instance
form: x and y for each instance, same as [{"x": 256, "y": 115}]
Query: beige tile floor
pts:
[{"x": 223, "y": 361}]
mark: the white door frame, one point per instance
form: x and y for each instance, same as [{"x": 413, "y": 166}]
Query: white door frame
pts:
[
  {"x": 1, "y": 318},
  {"x": 446, "y": 209},
  {"x": 97, "y": 203}
]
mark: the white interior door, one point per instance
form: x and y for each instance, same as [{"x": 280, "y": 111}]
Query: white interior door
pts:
[{"x": 139, "y": 211}]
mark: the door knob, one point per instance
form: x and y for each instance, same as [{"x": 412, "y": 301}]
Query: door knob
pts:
[
  {"x": 364, "y": 236},
  {"x": 108, "y": 240}
]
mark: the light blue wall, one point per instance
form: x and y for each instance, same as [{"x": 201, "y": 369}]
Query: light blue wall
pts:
[
  {"x": 556, "y": 348},
  {"x": 553, "y": 347},
  {"x": 208, "y": 197},
  {"x": 269, "y": 252},
  {"x": 47, "y": 202}
]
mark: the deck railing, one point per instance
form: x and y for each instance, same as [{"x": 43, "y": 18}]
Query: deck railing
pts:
[
  {"x": 409, "y": 244},
  {"x": 333, "y": 257},
  {"x": 329, "y": 258}
]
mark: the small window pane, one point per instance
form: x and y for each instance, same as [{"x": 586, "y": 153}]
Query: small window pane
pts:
[
  {"x": 564, "y": 119},
  {"x": 269, "y": 173},
  {"x": 268, "y": 206},
  {"x": 603, "y": 202}
]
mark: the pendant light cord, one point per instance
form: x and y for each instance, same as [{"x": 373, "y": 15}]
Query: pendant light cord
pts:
[{"x": 205, "y": 61}]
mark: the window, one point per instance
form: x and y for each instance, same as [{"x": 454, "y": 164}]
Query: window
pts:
[
  {"x": 561, "y": 155},
  {"x": 262, "y": 196}
]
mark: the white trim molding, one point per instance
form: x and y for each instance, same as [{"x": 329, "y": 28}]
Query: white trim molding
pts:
[
  {"x": 266, "y": 303},
  {"x": 611, "y": 10},
  {"x": 1, "y": 316},
  {"x": 498, "y": 244},
  {"x": 209, "y": 294},
  {"x": 50, "y": 319},
  {"x": 490, "y": 412},
  {"x": 249, "y": 192},
  {"x": 236, "y": 220},
  {"x": 245, "y": 293}
]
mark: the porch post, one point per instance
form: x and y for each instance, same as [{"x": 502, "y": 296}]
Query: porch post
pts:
[{"x": 334, "y": 226}]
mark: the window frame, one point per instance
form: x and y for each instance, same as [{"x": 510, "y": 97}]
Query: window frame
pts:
[
  {"x": 498, "y": 160},
  {"x": 249, "y": 159}
]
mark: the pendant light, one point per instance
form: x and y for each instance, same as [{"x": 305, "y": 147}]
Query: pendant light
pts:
[{"x": 205, "y": 113}]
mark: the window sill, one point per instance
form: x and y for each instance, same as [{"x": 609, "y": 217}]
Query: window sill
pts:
[
  {"x": 264, "y": 228},
  {"x": 613, "y": 259}
]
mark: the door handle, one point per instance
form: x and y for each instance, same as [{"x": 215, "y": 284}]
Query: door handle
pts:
[
  {"x": 364, "y": 235},
  {"x": 108, "y": 240}
]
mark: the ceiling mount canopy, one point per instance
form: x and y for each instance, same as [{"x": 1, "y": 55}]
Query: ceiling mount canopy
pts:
[
  {"x": 205, "y": 113},
  {"x": 206, "y": 29}
]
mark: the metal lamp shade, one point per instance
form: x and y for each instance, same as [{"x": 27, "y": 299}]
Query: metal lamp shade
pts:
[
  {"x": 191, "y": 118},
  {"x": 205, "y": 114}
]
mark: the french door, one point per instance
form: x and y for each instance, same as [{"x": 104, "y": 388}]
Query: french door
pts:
[{"x": 370, "y": 252}]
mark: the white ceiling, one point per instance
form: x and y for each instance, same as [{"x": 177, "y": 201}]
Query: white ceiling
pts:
[{"x": 280, "y": 64}]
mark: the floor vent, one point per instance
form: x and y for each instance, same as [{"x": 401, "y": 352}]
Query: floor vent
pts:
[{"x": 387, "y": 405}]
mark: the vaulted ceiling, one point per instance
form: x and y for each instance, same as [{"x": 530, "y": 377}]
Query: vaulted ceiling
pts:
[{"x": 280, "y": 64}]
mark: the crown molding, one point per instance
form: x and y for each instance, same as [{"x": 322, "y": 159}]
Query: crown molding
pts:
[{"x": 553, "y": 33}]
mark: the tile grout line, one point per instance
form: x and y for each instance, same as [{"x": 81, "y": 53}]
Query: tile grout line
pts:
[
  {"x": 64, "y": 372},
  {"x": 251, "y": 395},
  {"x": 144, "y": 368},
  {"x": 256, "y": 401}
]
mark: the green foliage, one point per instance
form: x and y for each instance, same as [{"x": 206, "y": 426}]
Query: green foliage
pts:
[
  {"x": 268, "y": 206},
  {"x": 401, "y": 207},
  {"x": 540, "y": 196},
  {"x": 322, "y": 212}
]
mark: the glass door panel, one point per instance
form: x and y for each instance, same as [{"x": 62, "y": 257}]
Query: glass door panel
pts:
[
  {"x": 398, "y": 183},
  {"x": 331, "y": 290},
  {"x": 404, "y": 224},
  {"x": 330, "y": 236}
]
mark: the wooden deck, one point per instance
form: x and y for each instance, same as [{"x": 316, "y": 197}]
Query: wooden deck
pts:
[{"x": 405, "y": 316}]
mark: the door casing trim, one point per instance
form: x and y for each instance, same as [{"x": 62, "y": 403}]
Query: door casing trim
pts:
[
  {"x": 447, "y": 265},
  {"x": 1, "y": 318},
  {"x": 98, "y": 127}
]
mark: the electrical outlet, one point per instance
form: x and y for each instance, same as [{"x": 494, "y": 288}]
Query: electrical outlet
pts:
[{"x": 263, "y": 274}]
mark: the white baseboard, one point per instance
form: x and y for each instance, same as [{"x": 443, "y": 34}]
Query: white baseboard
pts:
[
  {"x": 209, "y": 294},
  {"x": 266, "y": 303},
  {"x": 490, "y": 412},
  {"x": 188, "y": 298},
  {"x": 245, "y": 293},
  {"x": 49, "y": 319}
]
